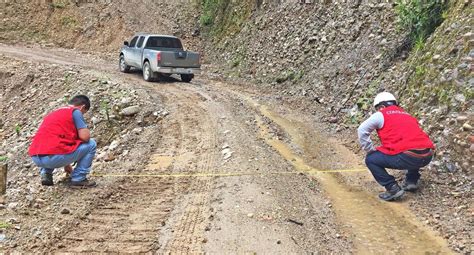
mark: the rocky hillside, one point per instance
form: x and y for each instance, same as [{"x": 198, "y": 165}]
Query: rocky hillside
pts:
[{"x": 337, "y": 57}]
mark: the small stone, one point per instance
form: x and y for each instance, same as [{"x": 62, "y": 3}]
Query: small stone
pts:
[
  {"x": 461, "y": 118},
  {"x": 460, "y": 98},
  {"x": 472, "y": 148},
  {"x": 250, "y": 215},
  {"x": 279, "y": 242},
  {"x": 125, "y": 101},
  {"x": 13, "y": 221},
  {"x": 468, "y": 36},
  {"x": 12, "y": 205},
  {"x": 466, "y": 127},
  {"x": 137, "y": 130},
  {"x": 130, "y": 111},
  {"x": 436, "y": 57},
  {"x": 451, "y": 167},
  {"x": 109, "y": 157},
  {"x": 95, "y": 120},
  {"x": 113, "y": 145},
  {"x": 65, "y": 211},
  {"x": 333, "y": 120}
]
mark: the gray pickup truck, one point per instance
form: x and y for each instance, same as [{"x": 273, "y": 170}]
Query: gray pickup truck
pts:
[{"x": 159, "y": 55}]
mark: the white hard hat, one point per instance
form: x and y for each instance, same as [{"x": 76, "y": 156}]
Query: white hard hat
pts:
[{"x": 383, "y": 97}]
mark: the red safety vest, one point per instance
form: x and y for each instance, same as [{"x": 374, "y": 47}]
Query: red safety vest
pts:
[
  {"x": 56, "y": 135},
  {"x": 401, "y": 132}
]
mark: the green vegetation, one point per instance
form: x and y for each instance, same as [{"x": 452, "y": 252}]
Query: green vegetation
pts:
[
  {"x": 105, "y": 108},
  {"x": 58, "y": 4},
  {"x": 420, "y": 17},
  {"x": 209, "y": 11},
  {"x": 290, "y": 76},
  {"x": 18, "y": 129},
  {"x": 68, "y": 21},
  {"x": 224, "y": 17},
  {"x": 3, "y": 158},
  {"x": 5, "y": 225}
]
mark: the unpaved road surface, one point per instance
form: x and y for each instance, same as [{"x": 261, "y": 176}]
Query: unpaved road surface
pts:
[{"x": 233, "y": 171}]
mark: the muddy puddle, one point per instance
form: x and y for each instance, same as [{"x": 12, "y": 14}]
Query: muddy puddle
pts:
[{"x": 375, "y": 226}]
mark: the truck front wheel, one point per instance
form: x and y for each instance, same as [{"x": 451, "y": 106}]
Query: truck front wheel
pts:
[
  {"x": 124, "y": 68},
  {"x": 187, "y": 77}
]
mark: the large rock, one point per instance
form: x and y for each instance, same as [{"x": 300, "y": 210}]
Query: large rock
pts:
[{"x": 130, "y": 111}]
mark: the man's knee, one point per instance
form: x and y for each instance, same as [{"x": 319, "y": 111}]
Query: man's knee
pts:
[{"x": 369, "y": 159}]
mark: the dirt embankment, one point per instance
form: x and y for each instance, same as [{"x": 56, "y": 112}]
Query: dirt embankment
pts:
[{"x": 96, "y": 26}]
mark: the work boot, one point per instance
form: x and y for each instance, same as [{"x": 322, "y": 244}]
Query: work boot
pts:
[
  {"x": 47, "y": 179},
  {"x": 393, "y": 192},
  {"x": 84, "y": 183},
  {"x": 410, "y": 186}
]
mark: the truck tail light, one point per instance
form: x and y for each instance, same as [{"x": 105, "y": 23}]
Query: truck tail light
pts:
[{"x": 158, "y": 57}]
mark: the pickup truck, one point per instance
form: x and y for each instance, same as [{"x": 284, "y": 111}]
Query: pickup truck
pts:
[{"x": 159, "y": 55}]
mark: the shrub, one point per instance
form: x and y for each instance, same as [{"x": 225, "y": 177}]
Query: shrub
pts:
[
  {"x": 420, "y": 17},
  {"x": 58, "y": 5},
  {"x": 209, "y": 9}
]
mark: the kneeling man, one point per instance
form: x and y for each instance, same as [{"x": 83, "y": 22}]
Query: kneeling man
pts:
[
  {"x": 62, "y": 139},
  {"x": 404, "y": 146}
]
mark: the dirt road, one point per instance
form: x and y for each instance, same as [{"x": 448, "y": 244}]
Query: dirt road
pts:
[{"x": 234, "y": 171}]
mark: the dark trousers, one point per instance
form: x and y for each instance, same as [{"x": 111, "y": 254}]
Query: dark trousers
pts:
[{"x": 378, "y": 161}]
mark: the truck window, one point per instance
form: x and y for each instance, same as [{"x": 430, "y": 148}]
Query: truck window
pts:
[
  {"x": 163, "y": 42},
  {"x": 133, "y": 41},
  {"x": 140, "y": 41}
]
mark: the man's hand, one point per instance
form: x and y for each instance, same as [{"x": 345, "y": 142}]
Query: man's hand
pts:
[{"x": 68, "y": 169}]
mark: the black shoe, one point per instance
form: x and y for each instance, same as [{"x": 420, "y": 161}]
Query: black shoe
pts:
[
  {"x": 392, "y": 193},
  {"x": 47, "y": 179},
  {"x": 410, "y": 186},
  {"x": 84, "y": 183}
]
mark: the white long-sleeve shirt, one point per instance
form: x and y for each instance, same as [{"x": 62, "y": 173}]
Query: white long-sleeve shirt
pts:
[{"x": 374, "y": 122}]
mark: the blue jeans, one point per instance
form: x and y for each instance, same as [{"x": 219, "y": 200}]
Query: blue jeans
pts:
[
  {"x": 83, "y": 155},
  {"x": 378, "y": 161}
]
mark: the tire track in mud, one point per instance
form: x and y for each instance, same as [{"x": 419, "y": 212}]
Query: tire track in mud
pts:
[
  {"x": 189, "y": 218},
  {"x": 131, "y": 218}
]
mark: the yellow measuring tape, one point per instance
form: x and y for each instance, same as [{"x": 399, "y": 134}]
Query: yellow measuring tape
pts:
[{"x": 177, "y": 175}]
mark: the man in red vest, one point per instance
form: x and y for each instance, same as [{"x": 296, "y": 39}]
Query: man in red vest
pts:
[
  {"x": 404, "y": 146},
  {"x": 62, "y": 139}
]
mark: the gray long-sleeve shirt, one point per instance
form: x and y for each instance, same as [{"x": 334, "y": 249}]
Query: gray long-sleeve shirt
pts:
[{"x": 374, "y": 122}]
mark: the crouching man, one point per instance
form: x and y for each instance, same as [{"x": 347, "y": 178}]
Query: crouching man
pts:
[
  {"x": 62, "y": 139},
  {"x": 404, "y": 146}
]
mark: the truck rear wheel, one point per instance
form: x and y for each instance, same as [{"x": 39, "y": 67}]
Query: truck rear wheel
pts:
[
  {"x": 124, "y": 68},
  {"x": 187, "y": 77},
  {"x": 148, "y": 74}
]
